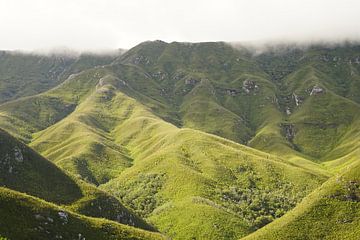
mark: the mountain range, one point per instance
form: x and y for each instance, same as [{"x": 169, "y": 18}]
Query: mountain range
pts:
[{"x": 181, "y": 141}]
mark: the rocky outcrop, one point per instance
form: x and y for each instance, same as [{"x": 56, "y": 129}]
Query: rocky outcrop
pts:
[
  {"x": 316, "y": 90},
  {"x": 18, "y": 155},
  {"x": 232, "y": 92},
  {"x": 177, "y": 76},
  {"x": 191, "y": 81},
  {"x": 141, "y": 60},
  {"x": 298, "y": 100},
  {"x": 249, "y": 86},
  {"x": 63, "y": 217},
  {"x": 12, "y": 160},
  {"x": 288, "y": 131},
  {"x": 288, "y": 111},
  {"x": 159, "y": 75}
]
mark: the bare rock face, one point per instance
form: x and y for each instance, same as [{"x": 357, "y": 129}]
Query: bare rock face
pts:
[
  {"x": 317, "y": 90},
  {"x": 288, "y": 111},
  {"x": 298, "y": 100},
  {"x": 18, "y": 155},
  {"x": 11, "y": 160},
  {"x": 159, "y": 75},
  {"x": 231, "y": 92},
  {"x": 63, "y": 217},
  {"x": 289, "y": 131},
  {"x": 191, "y": 81},
  {"x": 141, "y": 60},
  {"x": 249, "y": 86}
]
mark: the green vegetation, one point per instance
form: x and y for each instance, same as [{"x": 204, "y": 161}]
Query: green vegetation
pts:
[
  {"x": 31, "y": 218},
  {"x": 330, "y": 212},
  {"x": 24, "y": 170},
  {"x": 203, "y": 141}
]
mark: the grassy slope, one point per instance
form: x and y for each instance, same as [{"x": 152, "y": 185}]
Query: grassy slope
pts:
[
  {"x": 191, "y": 85},
  {"x": 161, "y": 170},
  {"x": 26, "y": 217},
  {"x": 132, "y": 140},
  {"x": 320, "y": 120},
  {"x": 201, "y": 86},
  {"x": 28, "y": 74},
  {"x": 330, "y": 212},
  {"x": 23, "y": 170}
]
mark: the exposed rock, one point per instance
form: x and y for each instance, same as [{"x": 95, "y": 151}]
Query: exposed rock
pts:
[
  {"x": 81, "y": 237},
  {"x": 317, "y": 90},
  {"x": 101, "y": 82},
  {"x": 249, "y": 85},
  {"x": 350, "y": 192},
  {"x": 122, "y": 82},
  {"x": 289, "y": 131},
  {"x": 288, "y": 112},
  {"x": 159, "y": 75},
  {"x": 191, "y": 81},
  {"x": 298, "y": 99},
  {"x": 325, "y": 58},
  {"x": 141, "y": 60},
  {"x": 63, "y": 216},
  {"x": 178, "y": 76},
  {"x": 231, "y": 92},
  {"x": 18, "y": 154}
]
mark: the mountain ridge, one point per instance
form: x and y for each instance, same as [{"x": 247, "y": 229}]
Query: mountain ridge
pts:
[{"x": 162, "y": 127}]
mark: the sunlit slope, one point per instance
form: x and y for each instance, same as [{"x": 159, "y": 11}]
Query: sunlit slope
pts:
[
  {"x": 264, "y": 100},
  {"x": 28, "y": 115},
  {"x": 330, "y": 212},
  {"x": 24, "y": 170},
  {"x": 129, "y": 128},
  {"x": 317, "y": 94},
  {"x": 26, "y": 217},
  {"x": 26, "y": 74},
  {"x": 152, "y": 165},
  {"x": 207, "y": 86}
]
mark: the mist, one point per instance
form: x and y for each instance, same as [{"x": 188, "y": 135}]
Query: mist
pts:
[{"x": 101, "y": 26}]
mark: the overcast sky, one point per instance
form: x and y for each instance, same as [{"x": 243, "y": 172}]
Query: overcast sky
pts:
[{"x": 109, "y": 24}]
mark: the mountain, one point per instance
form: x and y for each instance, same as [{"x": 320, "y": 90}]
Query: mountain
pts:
[
  {"x": 330, "y": 212},
  {"x": 28, "y": 74},
  {"x": 26, "y": 217},
  {"x": 25, "y": 171},
  {"x": 203, "y": 140}
]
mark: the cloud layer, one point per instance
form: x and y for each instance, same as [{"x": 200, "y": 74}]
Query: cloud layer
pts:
[{"x": 109, "y": 24}]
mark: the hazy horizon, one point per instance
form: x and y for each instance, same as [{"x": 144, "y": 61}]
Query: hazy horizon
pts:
[{"x": 110, "y": 24}]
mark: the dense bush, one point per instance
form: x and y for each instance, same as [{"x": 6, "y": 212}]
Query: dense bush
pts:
[
  {"x": 141, "y": 194},
  {"x": 258, "y": 204}
]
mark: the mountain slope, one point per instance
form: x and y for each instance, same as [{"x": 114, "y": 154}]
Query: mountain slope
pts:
[
  {"x": 28, "y": 74},
  {"x": 23, "y": 170},
  {"x": 165, "y": 171},
  {"x": 330, "y": 212},
  {"x": 26, "y": 217},
  {"x": 161, "y": 129}
]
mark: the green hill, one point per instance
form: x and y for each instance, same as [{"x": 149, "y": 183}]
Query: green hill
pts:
[
  {"x": 23, "y": 170},
  {"x": 28, "y": 74},
  {"x": 26, "y": 217},
  {"x": 330, "y": 212},
  {"x": 203, "y": 140}
]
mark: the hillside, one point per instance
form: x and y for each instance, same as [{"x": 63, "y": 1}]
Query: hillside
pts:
[
  {"x": 330, "y": 212},
  {"x": 26, "y": 217},
  {"x": 26, "y": 74},
  {"x": 202, "y": 140},
  {"x": 23, "y": 170}
]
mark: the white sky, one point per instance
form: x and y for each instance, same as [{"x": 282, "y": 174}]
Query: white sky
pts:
[{"x": 109, "y": 24}]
